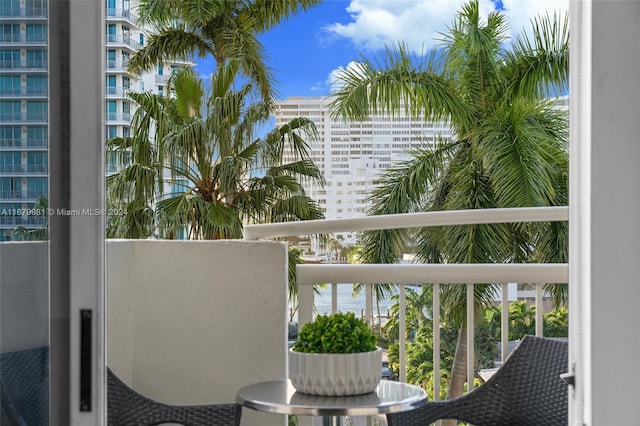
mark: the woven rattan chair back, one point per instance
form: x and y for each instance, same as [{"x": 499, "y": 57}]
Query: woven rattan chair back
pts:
[
  {"x": 126, "y": 407},
  {"x": 526, "y": 391}
]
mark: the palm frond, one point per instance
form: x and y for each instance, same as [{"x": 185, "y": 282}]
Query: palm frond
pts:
[
  {"x": 538, "y": 65},
  {"x": 270, "y": 13},
  {"x": 166, "y": 45},
  {"x": 522, "y": 147},
  {"x": 398, "y": 82}
]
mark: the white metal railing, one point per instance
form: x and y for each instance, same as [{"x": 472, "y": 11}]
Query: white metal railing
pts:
[{"x": 418, "y": 274}]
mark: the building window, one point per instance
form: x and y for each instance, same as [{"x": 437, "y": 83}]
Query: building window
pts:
[
  {"x": 10, "y": 162},
  {"x": 9, "y": 136},
  {"x": 36, "y": 33},
  {"x": 111, "y": 33},
  {"x": 9, "y": 84},
  {"x": 9, "y": 32},
  {"x": 37, "y": 137},
  {"x": 112, "y": 108},
  {"x": 10, "y": 111},
  {"x": 37, "y": 161},
  {"x": 37, "y": 111},
  {"x": 10, "y": 188},
  {"x": 112, "y": 132},
  {"x": 37, "y": 84},
  {"x": 37, "y": 187},
  {"x": 36, "y": 58}
]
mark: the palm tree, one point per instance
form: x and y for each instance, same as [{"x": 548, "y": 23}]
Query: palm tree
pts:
[
  {"x": 223, "y": 28},
  {"x": 509, "y": 147},
  {"x": 40, "y": 209},
  {"x": 418, "y": 311},
  {"x": 222, "y": 174}
]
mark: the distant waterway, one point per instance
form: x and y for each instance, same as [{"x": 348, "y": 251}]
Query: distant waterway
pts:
[{"x": 346, "y": 301}]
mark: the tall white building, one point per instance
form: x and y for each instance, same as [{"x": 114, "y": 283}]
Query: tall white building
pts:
[
  {"x": 123, "y": 38},
  {"x": 351, "y": 155}
]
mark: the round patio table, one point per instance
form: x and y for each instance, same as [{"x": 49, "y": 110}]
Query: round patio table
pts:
[{"x": 280, "y": 397}]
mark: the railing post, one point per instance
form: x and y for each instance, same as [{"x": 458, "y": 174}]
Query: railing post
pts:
[
  {"x": 470, "y": 336},
  {"x": 368, "y": 305},
  {"x": 334, "y": 298},
  {"x": 305, "y": 304},
  {"x": 402, "y": 330},
  {"x": 539, "y": 309},
  {"x": 504, "y": 323},
  {"x": 436, "y": 341}
]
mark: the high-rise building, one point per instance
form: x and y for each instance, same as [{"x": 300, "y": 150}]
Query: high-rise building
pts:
[
  {"x": 352, "y": 154},
  {"x": 123, "y": 38},
  {"x": 24, "y": 99},
  {"x": 23, "y": 112}
]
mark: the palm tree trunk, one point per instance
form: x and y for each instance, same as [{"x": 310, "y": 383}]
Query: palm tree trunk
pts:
[{"x": 458, "y": 370}]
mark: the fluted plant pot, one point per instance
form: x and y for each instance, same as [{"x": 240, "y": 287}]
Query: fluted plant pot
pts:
[
  {"x": 331, "y": 374},
  {"x": 335, "y": 355}
]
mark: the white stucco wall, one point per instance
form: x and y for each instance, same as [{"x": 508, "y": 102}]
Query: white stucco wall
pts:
[
  {"x": 188, "y": 322},
  {"x": 192, "y": 322}
]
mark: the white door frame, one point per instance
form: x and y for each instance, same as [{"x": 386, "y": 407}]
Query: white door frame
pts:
[{"x": 77, "y": 222}]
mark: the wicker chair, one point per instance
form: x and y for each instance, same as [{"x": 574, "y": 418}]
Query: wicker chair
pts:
[
  {"x": 126, "y": 407},
  {"x": 526, "y": 391},
  {"x": 24, "y": 387}
]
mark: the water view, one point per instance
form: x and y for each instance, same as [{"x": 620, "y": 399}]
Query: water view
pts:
[{"x": 346, "y": 301}]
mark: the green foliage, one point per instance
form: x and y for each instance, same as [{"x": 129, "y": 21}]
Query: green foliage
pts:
[
  {"x": 22, "y": 233},
  {"x": 221, "y": 28},
  {"x": 556, "y": 323},
  {"x": 522, "y": 321},
  {"x": 420, "y": 355},
  {"x": 204, "y": 143},
  {"x": 336, "y": 333}
]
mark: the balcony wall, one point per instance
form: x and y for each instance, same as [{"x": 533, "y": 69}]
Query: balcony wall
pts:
[{"x": 188, "y": 322}]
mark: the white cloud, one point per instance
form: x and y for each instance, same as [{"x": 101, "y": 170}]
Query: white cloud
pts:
[
  {"x": 376, "y": 23},
  {"x": 332, "y": 79},
  {"x": 520, "y": 12}
]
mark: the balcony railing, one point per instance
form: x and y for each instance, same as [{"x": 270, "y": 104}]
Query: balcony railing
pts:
[
  {"x": 121, "y": 14},
  {"x": 23, "y": 65},
  {"x": 24, "y": 117},
  {"x": 116, "y": 91},
  {"x": 113, "y": 39},
  {"x": 10, "y": 195},
  {"x": 24, "y": 145},
  {"x": 25, "y": 92},
  {"x": 23, "y": 38},
  {"x": 23, "y": 12},
  {"x": 15, "y": 169},
  {"x": 421, "y": 274},
  {"x": 119, "y": 116},
  {"x": 20, "y": 220},
  {"x": 113, "y": 65}
]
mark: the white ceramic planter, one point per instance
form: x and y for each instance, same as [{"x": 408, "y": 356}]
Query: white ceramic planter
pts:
[{"x": 335, "y": 374}]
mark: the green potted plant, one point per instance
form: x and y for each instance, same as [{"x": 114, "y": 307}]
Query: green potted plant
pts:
[{"x": 335, "y": 355}]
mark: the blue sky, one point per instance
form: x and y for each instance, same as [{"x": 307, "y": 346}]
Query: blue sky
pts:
[{"x": 308, "y": 49}]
